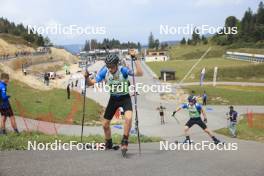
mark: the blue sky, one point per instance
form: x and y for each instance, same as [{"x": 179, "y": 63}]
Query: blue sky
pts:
[{"x": 126, "y": 20}]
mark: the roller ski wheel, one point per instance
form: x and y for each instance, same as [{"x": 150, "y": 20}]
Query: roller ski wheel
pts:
[
  {"x": 184, "y": 142},
  {"x": 219, "y": 143},
  {"x": 116, "y": 147},
  {"x": 124, "y": 145}
]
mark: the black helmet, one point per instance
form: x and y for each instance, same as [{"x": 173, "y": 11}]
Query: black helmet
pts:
[
  {"x": 111, "y": 59},
  {"x": 192, "y": 99}
]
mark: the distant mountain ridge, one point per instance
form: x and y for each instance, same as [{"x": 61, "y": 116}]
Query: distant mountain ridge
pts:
[
  {"x": 76, "y": 48},
  {"x": 73, "y": 48},
  {"x": 169, "y": 42}
]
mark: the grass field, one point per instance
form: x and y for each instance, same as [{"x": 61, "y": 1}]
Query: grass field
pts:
[
  {"x": 19, "y": 142},
  {"x": 187, "y": 52},
  {"x": 182, "y": 58},
  {"x": 244, "y": 131},
  {"x": 227, "y": 69},
  {"x": 51, "y": 105},
  {"x": 231, "y": 95},
  {"x": 249, "y": 73}
]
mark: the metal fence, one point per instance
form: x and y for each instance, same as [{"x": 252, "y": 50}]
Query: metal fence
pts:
[{"x": 245, "y": 56}]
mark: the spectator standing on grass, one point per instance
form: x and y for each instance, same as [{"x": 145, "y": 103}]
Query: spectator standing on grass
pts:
[
  {"x": 25, "y": 71},
  {"x": 204, "y": 98},
  {"x": 68, "y": 91},
  {"x": 202, "y": 76},
  {"x": 46, "y": 79},
  {"x": 232, "y": 117},
  {"x": 5, "y": 107}
]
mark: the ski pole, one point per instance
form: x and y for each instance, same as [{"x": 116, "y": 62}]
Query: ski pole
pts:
[
  {"x": 227, "y": 120},
  {"x": 176, "y": 119},
  {"x": 84, "y": 97},
  {"x": 135, "y": 101}
]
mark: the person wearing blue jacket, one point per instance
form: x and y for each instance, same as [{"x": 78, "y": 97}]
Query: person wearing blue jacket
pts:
[{"x": 5, "y": 107}]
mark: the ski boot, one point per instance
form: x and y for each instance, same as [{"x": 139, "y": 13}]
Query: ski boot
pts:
[
  {"x": 108, "y": 144},
  {"x": 217, "y": 141}
]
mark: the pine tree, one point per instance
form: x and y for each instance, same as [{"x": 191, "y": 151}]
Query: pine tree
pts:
[
  {"x": 247, "y": 25},
  {"x": 259, "y": 33},
  {"x": 40, "y": 41},
  {"x": 195, "y": 36},
  {"x": 86, "y": 46},
  {"x": 189, "y": 41},
  {"x": 183, "y": 41},
  {"x": 151, "y": 41},
  {"x": 204, "y": 40},
  {"x": 260, "y": 14},
  {"x": 230, "y": 22},
  {"x": 139, "y": 47},
  {"x": 156, "y": 43}
]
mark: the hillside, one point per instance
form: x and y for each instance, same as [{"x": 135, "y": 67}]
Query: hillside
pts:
[
  {"x": 37, "y": 63},
  {"x": 62, "y": 54},
  {"x": 21, "y": 31},
  {"x": 185, "y": 52},
  {"x": 183, "y": 57},
  {"x": 11, "y": 44}
]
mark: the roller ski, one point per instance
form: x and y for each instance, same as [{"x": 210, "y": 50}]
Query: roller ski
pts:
[
  {"x": 124, "y": 145},
  {"x": 217, "y": 141},
  {"x": 184, "y": 142}
]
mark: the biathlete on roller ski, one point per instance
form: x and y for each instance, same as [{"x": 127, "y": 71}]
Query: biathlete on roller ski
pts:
[
  {"x": 195, "y": 110},
  {"x": 116, "y": 77}
]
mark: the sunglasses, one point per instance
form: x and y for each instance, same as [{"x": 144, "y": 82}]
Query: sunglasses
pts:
[{"x": 111, "y": 66}]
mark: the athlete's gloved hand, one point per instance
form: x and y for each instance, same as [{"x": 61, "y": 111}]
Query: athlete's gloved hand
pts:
[
  {"x": 205, "y": 120},
  {"x": 134, "y": 58},
  {"x": 173, "y": 114},
  {"x": 86, "y": 74},
  {"x": 133, "y": 55}
]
